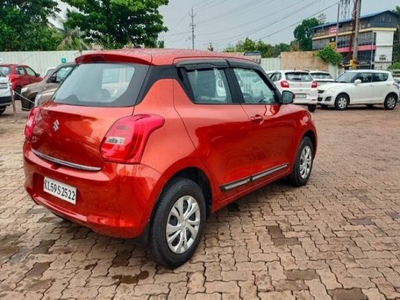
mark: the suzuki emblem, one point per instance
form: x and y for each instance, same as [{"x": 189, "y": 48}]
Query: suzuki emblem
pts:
[{"x": 56, "y": 125}]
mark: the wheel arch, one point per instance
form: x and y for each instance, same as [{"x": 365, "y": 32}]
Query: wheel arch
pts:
[
  {"x": 312, "y": 136},
  {"x": 192, "y": 173}
]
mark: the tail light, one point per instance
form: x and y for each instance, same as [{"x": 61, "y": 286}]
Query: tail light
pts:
[
  {"x": 314, "y": 84},
  {"x": 30, "y": 123},
  {"x": 284, "y": 84},
  {"x": 126, "y": 139}
]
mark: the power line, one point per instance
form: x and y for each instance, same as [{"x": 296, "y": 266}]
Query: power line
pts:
[
  {"x": 313, "y": 15},
  {"x": 254, "y": 30}
]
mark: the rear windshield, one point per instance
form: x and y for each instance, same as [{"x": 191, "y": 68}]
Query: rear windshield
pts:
[
  {"x": 298, "y": 76},
  {"x": 321, "y": 76},
  {"x": 5, "y": 70},
  {"x": 102, "y": 84}
]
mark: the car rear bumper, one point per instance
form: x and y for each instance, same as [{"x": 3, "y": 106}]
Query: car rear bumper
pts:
[
  {"x": 306, "y": 101},
  {"x": 115, "y": 201},
  {"x": 5, "y": 101}
]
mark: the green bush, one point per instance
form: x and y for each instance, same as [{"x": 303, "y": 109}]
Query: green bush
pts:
[{"x": 329, "y": 55}]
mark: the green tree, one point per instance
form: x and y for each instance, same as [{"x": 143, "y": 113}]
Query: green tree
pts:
[
  {"x": 71, "y": 38},
  {"x": 278, "y": 48},
  {"x": 116, "y": 23},
  {"x": 24, "y": 25},
  {"x": 303, "y": 33}
]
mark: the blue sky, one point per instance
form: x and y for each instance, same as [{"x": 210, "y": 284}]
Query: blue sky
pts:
[{"x": 224, "y": 22}]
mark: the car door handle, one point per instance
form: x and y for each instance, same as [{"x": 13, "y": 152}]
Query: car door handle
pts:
[{"x": 257, "y": 118}]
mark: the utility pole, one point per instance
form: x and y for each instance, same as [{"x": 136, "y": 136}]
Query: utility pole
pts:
[
  {"x": 356, "y": 29},
  {"x": 192, "y": 15},
  {"x": 337, "y": 26}
]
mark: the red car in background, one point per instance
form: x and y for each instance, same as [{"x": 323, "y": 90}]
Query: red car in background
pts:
[{"x": 19, "y": 75}]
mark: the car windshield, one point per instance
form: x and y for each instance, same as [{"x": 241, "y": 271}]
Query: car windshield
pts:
[
  {"x": 298, "y": 76},
  {"x": 347, "y": 77},
  {"x": 2, "y": 75},
  {"x": 102, "y": 85}
]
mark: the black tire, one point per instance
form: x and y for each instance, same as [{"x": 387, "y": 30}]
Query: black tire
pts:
[
  {"x": 390, "y": 101},
  {"x": 342, "y": 101},
  {"x": 2, "y": 109},
  {"x": 168, "y": 253},
  {"x": 370, "y": 105},
  {"x": 303, "y": 163},
  {"x": 27, "y": 105},
  {"x": 312, "y": 107}
]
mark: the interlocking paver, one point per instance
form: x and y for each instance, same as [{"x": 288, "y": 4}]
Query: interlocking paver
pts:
[{"x": 336, "y": 238}]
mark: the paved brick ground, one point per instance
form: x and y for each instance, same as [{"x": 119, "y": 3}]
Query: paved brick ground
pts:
[{"x": 336, "y": 238}]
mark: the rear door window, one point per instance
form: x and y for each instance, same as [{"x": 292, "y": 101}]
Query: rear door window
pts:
[
  {"x": 209, "y": 86},
  {"x": 20, "y": 70},
  {"x": 102, "y": 84}
]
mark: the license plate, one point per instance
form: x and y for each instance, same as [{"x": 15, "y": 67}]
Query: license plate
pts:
[
  {"x": 3, "y": 85},
  {"x": 301, "y": 96},
  {"x": 60, "y": 190}
]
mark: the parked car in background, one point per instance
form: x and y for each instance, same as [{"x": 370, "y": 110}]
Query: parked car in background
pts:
[
  {"x": 322, "y": 77},
  {"x": 139, "y": 142},
  {"x": 360, "y": 87},
  {"x": 30, "y": 91},
  {"x": 5, "y": 93},
  {"x": 19, "y": 75},
  {"x": 48, "y": 72},
  {"x": 301, "y": 83},
  {"x": 44, "y": 96}
]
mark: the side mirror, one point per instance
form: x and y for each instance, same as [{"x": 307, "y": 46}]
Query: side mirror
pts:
[
  {"x": 37, "y": 74},
  {"x": 53, "y": 78},
  {"x": 357, "y": 81},
  {"x": 287, "y": 97}
]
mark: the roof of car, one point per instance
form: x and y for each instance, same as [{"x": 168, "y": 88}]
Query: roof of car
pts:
[{"x": 154, "y": 56}]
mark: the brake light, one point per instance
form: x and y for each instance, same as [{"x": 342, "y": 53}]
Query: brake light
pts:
[
  {"x": 314, "y": 84},
  {"x": 284, "y": 84},
  {"x": 30, "y": 123},
  {"x": 126, "y": 139}
]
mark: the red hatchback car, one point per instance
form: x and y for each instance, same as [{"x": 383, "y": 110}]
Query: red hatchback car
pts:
[
  {"x": 19, "y": 75},
  {"x": 148, "y": 142}
]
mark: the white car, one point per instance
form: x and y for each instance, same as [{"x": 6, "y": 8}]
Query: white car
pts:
[
  {"x": 5, "y": 93},
  {"x": 300, "y": 83},
  {"x": 360, "y": 87}
]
